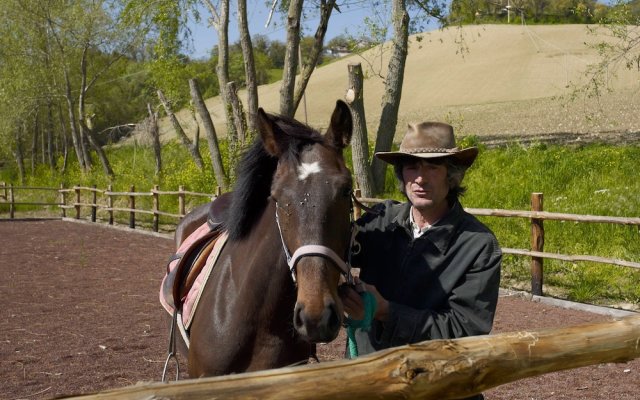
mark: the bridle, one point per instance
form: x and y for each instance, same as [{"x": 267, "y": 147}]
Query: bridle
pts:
[{"x": 316, "y": 250}]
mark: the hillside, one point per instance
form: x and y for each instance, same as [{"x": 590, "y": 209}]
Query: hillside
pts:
[{"x": 505, "y": 83}]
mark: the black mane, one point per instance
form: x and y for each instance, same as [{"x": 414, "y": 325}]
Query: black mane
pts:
[{"x": 255, "y": 173}]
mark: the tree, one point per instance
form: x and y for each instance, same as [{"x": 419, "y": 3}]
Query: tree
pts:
[
  {"x": 290, "y": 58},
  {"x": 398, "y": 46},
  {"x": 86, "y": 42},
  {"x": 621, "y": 48},
  {"x": 249, "y": 67},
  {"x": 392, "y": 91}
]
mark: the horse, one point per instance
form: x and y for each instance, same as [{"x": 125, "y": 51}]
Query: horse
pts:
[{"x": 272, "y": 293}]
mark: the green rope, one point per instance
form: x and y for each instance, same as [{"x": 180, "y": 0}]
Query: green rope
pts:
[{"x": 364, "y": 324}]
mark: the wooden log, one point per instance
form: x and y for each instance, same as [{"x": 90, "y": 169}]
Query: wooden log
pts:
[{"x": 438, "y": 369}]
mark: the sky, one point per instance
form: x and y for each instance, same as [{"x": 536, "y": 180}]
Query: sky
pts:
[{"x": 349, "y": 20}]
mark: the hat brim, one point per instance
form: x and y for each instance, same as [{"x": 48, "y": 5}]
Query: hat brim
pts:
[{"x": 464, "y": 157}]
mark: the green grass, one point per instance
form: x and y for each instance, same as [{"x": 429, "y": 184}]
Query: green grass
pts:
[{"x": 594, "y": 179}]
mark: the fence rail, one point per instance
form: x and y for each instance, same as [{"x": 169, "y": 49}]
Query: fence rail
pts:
[
  {"x": 435, "y": 369},
  {"x": 536, "y": 215},
  {"x": 82, "y": 198}
]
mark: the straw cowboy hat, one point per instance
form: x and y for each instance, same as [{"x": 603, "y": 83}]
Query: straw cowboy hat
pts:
[{"x": 430, "y": 140}]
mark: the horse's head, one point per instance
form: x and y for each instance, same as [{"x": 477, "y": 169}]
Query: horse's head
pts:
[{"x": 312, "y": 187}]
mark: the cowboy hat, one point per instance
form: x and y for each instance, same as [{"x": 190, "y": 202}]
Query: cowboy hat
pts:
[{"x": 430, "y": 140}]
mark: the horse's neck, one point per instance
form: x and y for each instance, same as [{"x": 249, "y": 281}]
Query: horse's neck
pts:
[{"x": 264, "y": 241}]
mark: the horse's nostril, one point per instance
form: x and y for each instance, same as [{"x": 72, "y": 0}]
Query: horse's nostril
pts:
[
  {"x": 335, "y": 321},
  {"x": 297, "y": 316}
]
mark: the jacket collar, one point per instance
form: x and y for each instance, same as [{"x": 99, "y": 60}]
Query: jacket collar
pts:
[{"x": 440, "y": 233}]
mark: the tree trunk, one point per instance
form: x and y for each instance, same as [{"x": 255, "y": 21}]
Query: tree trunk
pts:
[
  {"x": 19, "y": 153},
  {"x": 392, "y": 92},
  {"x": 359, "y": 139},
  {"x": 249, "y": 68},
  {"x": 43, "y": 143},
  {"x": 236, "y": 146},
  {"x": 75, "y": 137},
  {"x": 221, "y": 23},
  {"x": 238, "y": 113},
  {"x": 65, "y": 140},
  {"x": 154, "y": 132},
  {"x": 88, "y": 129},
  {"x": 34, "y": 144},
  {"x": 84, "y": 134},
  {"x": 290, "y": 58},
  {"x": 51, "y": 158},
  {"x": 318, "y": 46},
  {"x": 210, "y": 131},
  {"x": 193, "y": 149}
]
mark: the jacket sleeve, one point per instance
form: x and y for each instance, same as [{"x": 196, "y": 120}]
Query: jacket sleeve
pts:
[{"x": 469, "y": 310}]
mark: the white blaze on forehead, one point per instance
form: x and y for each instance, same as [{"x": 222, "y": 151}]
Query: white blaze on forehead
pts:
[{"x": 306, "y": 169}]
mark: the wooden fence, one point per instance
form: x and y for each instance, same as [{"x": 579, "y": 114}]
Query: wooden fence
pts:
[
  {"x": 85, "y": 202},
  {"x": 80, "y": 198},
  {"x": 435, "y": 369}
]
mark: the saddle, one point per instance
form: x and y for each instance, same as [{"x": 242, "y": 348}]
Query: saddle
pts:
[{"x": 193, "y": 254}]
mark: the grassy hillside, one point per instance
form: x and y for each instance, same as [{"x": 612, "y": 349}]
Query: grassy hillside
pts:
[{"x": 485, "y": 80}]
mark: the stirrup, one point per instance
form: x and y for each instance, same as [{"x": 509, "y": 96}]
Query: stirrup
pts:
[{"x": 172, "y": 350}]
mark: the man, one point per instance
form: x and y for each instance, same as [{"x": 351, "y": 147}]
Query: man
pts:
[{"x": 433, "y": 268}]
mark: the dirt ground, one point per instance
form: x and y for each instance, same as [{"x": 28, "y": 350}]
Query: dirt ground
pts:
[{"x": 81, "y": 315}]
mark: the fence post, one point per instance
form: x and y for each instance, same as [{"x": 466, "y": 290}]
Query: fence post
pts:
[
  {"x": 357, "y": 212},
  {"x": 181, "y": 201},
  {"x": 156, "y": 207},
  {"x": 132, "y": 207},
  {"x": 63, "y": 201},
  {"x": 11, "y": 201},
  {"x": 77, "y": 205},
  {"x": 537, "y": 244},
  {"x": 94, "y": 204},
  {"x": 4, "y": 190},
  {"x": 218, "y": 192},
  {"x": 110, "y": 203}
]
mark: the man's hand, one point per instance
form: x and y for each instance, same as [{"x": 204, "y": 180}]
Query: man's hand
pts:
[{"x": 354, "y": 306}]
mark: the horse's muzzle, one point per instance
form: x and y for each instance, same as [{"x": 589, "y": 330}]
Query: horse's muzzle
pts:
[{"x": 319, "y": 328}]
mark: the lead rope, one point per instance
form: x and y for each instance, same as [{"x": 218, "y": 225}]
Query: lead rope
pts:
[{"x": 364, "y": 324}]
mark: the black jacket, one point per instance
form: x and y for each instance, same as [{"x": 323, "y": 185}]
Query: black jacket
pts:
[{"x": 441, "y": 285}]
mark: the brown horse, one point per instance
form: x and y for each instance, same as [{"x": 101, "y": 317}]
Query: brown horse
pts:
[{"x": 289, "y": 217}]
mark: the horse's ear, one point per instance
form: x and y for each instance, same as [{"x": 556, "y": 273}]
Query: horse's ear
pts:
[
  {"x": 267, "y": 132},
  {"x": 341, "y": 126}
]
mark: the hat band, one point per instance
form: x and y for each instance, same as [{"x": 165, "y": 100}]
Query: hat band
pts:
[{"x": 430, "y": 150}]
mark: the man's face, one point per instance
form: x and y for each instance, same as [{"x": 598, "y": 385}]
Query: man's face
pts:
[{"x": 426, "y": 185}]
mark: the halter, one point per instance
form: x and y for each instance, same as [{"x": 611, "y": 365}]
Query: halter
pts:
[{"x": 316, "y": 250}]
